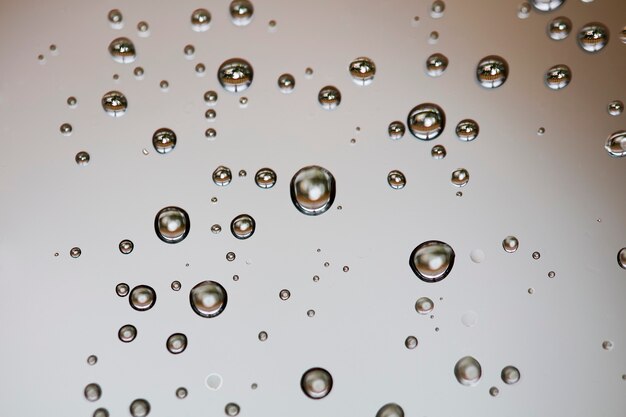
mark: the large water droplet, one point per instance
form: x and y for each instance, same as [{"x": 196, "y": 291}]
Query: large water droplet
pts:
[
  {"x": 362, "y": 71},
  {"x": 468, "y": 371},
  {"x": 122, "y": 50},
  {"x": 164, "y": 140},
  {"x": 426, "y": 121},
  {"x": 390, "y": 410},
  {"x": 436, "y": 64},
  {"x": 265, "y": 178},
  {"x": 243, "y": 226},
  {"x": 114, "y": 103},
  {"x": 176, "y": 343},
  {"x": 396, "y": 180},
  {"x": 208, "y": 299},
  {"x": 593, "y": 37},
  {"x": 492, "y": 71},
  {"x": 621, "y": 258},
  {"x": 460, "y": 177},
  {"x": 329, "y": 97},
  {"x": 115, "y": 18},
  {"x": 616, "y": 144},
  {"x": 467, "y": 130},
  {"x": 93, "y": 392},
  {"x": 432, "y": 260},
  {"x": 559, "y": 28},
  {"x": 316, "y": 383},
  {"x": 286, "y": 83},
  {"x": 172, "y": 224},
  {"x": 313, "y": 190},
  {"x": 241, "y": 12},
  {"x": 139, "y": 408},
  {"x": 510, "y": 375},
  {"x": 127, "y": 333},
  {"x": 547, "y": 5},
  {"x": 510, "y": 244},
  {"x": 200, "y": 20},
  {"x": 558, "y": 76},
  {"x": 396, "y": 130},
  {"x": 142, "y": 298},
  {"x": 424, "y": 305},
  {"x": 615, "y": 107},
  {"x": 235, "y": 75}
]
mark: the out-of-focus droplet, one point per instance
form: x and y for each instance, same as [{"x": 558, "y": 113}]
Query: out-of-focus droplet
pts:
[
  {"x": 310, "y": 313},
  {"x": 115, "y": 18},
  {"x": 436, "y": 64},
  {"x": 243, "y": 226},
  {"x": 181, "y": 392},
  {"x": 523, "y": 11},
  {"x": 390, "y": 410},
  {"x": 176, "y": 285},
  {"x": 460, "y": 177},
  {"x": 243, "y": 102},
  {"x": 286, "y": 83},
  {"x": 467, "y": 130},
  {"x": 139, "y": 408},
  {"x": 438, "y": 152},
  {"x": 316, "y": 383},
  {"x": 433, "y": 37},
  {"x": 396, "y": 180},
  {"x": 222, "y": 176},
  {"x": 75, "y": 252},
  {"x": 593, "y": 37},
  {"x": 232, "y": 409},
  {"x": 621, "y": 258},
  {"x": 396, "y": 130},
  {"x": 607, "y": 345},
  {"x": 176, "y": 343},
  {"x": 235, "y": 75},
  {"x": 92, "y": 360},
  {"x": 265, "y": 178},
  {"x": 284, "y": 294},
  {"x": 410, "y": 342},
  {"x": 494, "y": 391},
  {"x": 329, "y": 97},
  {"x": 127, "y": 333},
  {"x": 216, "y": 228},
  {"x": 114, "y": 103},
  {"x": 558, "y": 76},
  {"x": 424, "y": 305},
  {"x": 142, "y": 298},
  {"x": 189, "y": 51},
  {"x": 615, "y": 107},
  {"x": 426, "y": 121},
  {"x": 122, "y": 50},
  {"x": 510, "y": 375},
  {"x": 210, "y": 97},
  {"x": 72, "y": 102},
  {"x": 200, "y": 20},
  {"x": 82, "y": 158},
  {"x": 492, "y": 71},
  {"x": 559, "y": 28},
  {"x": 122, "y": 289},
  {"x": 172, "y": 224},
  {"x": 164, "y": 84},
  {"x": 536, "y": 255},
  {"x": 126, "y": 246},
  {"x": 210, "y": 114},
  {"x": 469, "y": 318},
  {"x": 262, "y": 336},
  {"x": 93, "y": 392},
  {"x": 476, "y": 255},
  {"x": 101, "y": 412},
  {"x": 313, "y": 190},
  {"x": 468, "y": 371},
  {"x": 616, "y": 144},
  {"x": 143, "y": 28},
  {"x": 437, "y": 9},
  {"x": 510, "y": 244},
  {"x": 432, "y": 260},
  {"x": 208, "y": 299},
  {"x": 164, "y": 140},
  {"x": 138, "y": 72},
  {"x": 213, "y": 381},
  {"x": 551, "y": 274},
  {"x": 200, "y": 68},
  {"x": 362, "y": 71},
  {"x": 230, "y": 256},
  {"x": 241, "y": 12},
  {"x": 547, "y": 5}
]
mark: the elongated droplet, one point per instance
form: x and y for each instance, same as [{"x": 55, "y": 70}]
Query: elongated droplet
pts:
[
  {"x": 235, "y": 75},
  {"x": 316, "y": 383},
  {"x": 164, "y": 140},
  {"x": 172, "y": 224},
  {"x": 122, "y": 50},
  {"x": 492, "y": 71},
  {"x": 208, "y": 299},
  {"x": 468, "y": 371},
  {"x": 313, "y": 190},
  {"x": 426, "y": 121},
  {"x": 616, "y": 144},
  {"x": 432, "y": 260}
]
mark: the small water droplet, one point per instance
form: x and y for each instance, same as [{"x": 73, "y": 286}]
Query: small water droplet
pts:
[
  {"x": 176, "y": 343},
  {"x": 468, "y": 371},
  {"x": 265, "y": 178},
  {"x": 460, "y": 177},
  {"x": 126, "y": 246},
  {"x": 615, "y": 107},
  {"x": 547, "y": 5},
  {"x": 172, "y": 224},
  {"x": 143, "y": 28},
  {"x": 329, "y": 97},
  {"x": 114, "y": 103},
  {"x": 66, "y": 129},
  {"x": 492, "y": 71},
  {"x": 93, "y": 392},
  {"x": 284, "y": 294},
  {"x": 122, "y": 289},
  {"x": 216, "y": 228},
  {"x": 286, "y": 83},
  {"x": 138, "y": 72},
  {"x": 230, "y": 256},
  {"x": 410, "y": 342},
  {"x": 213, "y": 200},
  {"x": 208, "y": 299},
  {"x": 316, "y": 383},
  {"x": 346, "y": 268},
  {"x": 189, "y": 51},
  {"x": 122, "y": 50},
  {"x": 200, "y": 68},
  {"x": 510, "y": 375},
  {"x": 235, "y": 278},
  {"x": 616, "y": 144},
  {"x": 531, "y": 291},
  {"x": 426, "y": 121},
  {"x": 316, "y": 278},
  {"x": 467, "y": 130},
  {"x": 536, "y": 255},
  {"x": 541, "y": 131},
  {"x": 558, "y": 77},
  {"x": 469, "y": 318},
  {"x": 326, "y": 264},
  {"x": 254, "y": 386},
  {"x": 621, "y": 258},
  {"x": 272, "y": 25},
  {"x": 164, "y": 84},
  {"x": 115, "y": 18},
  {"x": 551, "y": 274},
  {"x": 510, "y": 244},
  {"x": 438, "y": 152},
  {"x": 210, "y": 97},
  {"x": 432, "y": 260},
  {"x": 243, "y": 226},
  {"x": 75, "y": 252},
  {"x": 396, "y": 180},
  {"x": 312, "y": 190},
  {"x": 523, "y": 11},
  {"x": 139, "y": 408},
  {"x": 142, "y": 298},
  {"x": 222, "y": 176},
  {"x": 72, "y": 102},
  {"x": 181, "y": 392},
  {"x": 494, "y": 391},
  {"x": 308, "y": 72},
  {"x": 213, "y": 382},
  {"x": 210, "y": 114},
  {"x": 176, "y": 285},
  {"x": 362, "y": 71},
  {"x": 593, "y": 37},
  {"x": 82, "y": 158},
  {"x": 436, "y": 64},
  {"x": 424, "y": 305},
  {"x": 127, "y": 333},
  {"x": 231, "y": 409},
  {"x": 92, "y": 360},
  {"x": 241, "y": 12},
  {"x": 390, "y": 410},
  {"x": 243, "y": 101},
  {"x": 263, "y": 336},
  {"x": 396, "y": 130},
  {"x": 433, "y": 37},
  {"x": 559, "y": 28},
  {"x": 310, "y": 313},
  {"x": 235, "y": 75},
  {"x": 210, "y": 133},
  {"x": 200, "y": 20},
  {"x": 164, "y": 140}
]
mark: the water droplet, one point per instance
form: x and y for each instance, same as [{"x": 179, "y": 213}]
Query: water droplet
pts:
[
  {"x": 93, "y": 392},
  {"x": 142, "y": 298},
  {"x": 208, "y": 299},
  {"x": 396, "y": 180},
  {"x": 231, "y": 409},
  {"x": 114, "y": 103},
  {"x": 494, "y": 391},
  {"x": 326, "y": 264},
  {"x": 82, "y": 158},
  {"x": 346, "y": 268},
  {"x": 101, "y": 412},
  {"x": 559, "y": 28},
  {"x": 460, "y": 177},
  {"x": 467, "y": 130},
  {"x": 262, "y": 336},
  {"x": 436, "y": 64},
  {"x": 164, "y": 140},
  {"x": 216, "y": 228},
  {"x": 390, "y": 410},
  {"x": 189, "y": 51},
  {"x": 424, "y": 305},
  {"x": 410, "y": 342},
  {"x": 138, "y": 72},
  {"x": 139, "y": 408},
  {"x": 536, "y": 255},
  {"x": 558, "y": 76},
  {"x": 313, "y": 190},
  {"x": 126, "y": 246},
  {"x": 621, "y": 258},
  {"x": 172, "y": 224},
  {"x": 200, "y": 68},
  {"x": 469, "y": 318},
  {"x": 615, "y": 107},
  {"x": 243, "y": 101},
  {"x": 210, "y": 97},
  {"x": 310, "y": 313},
  {"x": 265, "y": 178},
  {"x": 222, "y": 176},
  {"x": 176, "y": 343},
  {"x": 72, "y": 102},
  {"x": 254, "y": 386},
  {"x": 523, "y": 11},
  {"x": 176, "y": 285},
  {"x": 210, "y": 133},
  {"x": 426, "y": 121},
  {"x": 164, "y": 84},
  {"x": 284, "y": 295},
  {"x": 122, "y": 289},
  {"x": 235, "y": 75},
  {"x": 396, "y": 130},
  {"x": 143, "y": 29},
  {"x": 272, "y": 25},
  {"x": 531, "y": 291},
  {"x": 616, "y": 144},
  {"x": 122, "y": 50},
  {"x": 468, "y": 371},
  {"x": 433, "y": 37},
  {"x": 92, "y": 360},
  {"x": 210, "y": 114},
  {"x": 432, "y": 260},
  {"x": 510, "y": 375},
  {"x": 438, "y": 152},
  {"x": 243, "y": 226},
  {"x": 541, "y": 131},
  {"x": 551, "y": 274},
  {"x": 362, "y": 71},
  {"x": 607, "y": 345},
  {"x": 510, "y": 244},
  {"x": 200, "y": 20},
  {"x": 492, "y": 71},
  {"x": 308, "y": 72},
  {"x": 437, "y": 9},
  {"x": 213, "y": 200},
  {"x": 593, "y": 37},
  {"x": 127, "y": 333},
  {"x": 286, "y": 83},
  {"x": 181, "y": 392},
  {"x": 235, "y": 278},
  {"x": 66, "y": 129},
  {"x": 316, "y": 278},
  {"x": 316, "y": 383},
  {"x": 115, "y": 17},
  {"x": 329, "y": 97},
  {"x": 477, "y": 255},
  {"x": 241, "y": 12},
  {"x": 213, "y": 382},
  {"x": 75, "y": 252},
  {"x": 547, "y": 5}
]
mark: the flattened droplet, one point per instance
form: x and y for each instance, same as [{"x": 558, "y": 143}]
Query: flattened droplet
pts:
[
  {"x": 426, "y": 121},
  {"x": 316, "y": 383},
  {"x": 114, "y": 103},
  {"x": 468, "y": 371},
  {"x": 172, "y": 224},
  {"x": 313, "y": 190},
  {"x": 390, "y": 410},
  {"x": 362, "y": 71},
  {"x": 616, "y": 144},
  {"x": 208, "y": 299},
  {"x": 122, "y": 50},
  {"x": 235, "y": 75},
  {"x": 432, "y": 260},
  {"x": 593, "y": 37},
  {"x": 492, "y": 71}
]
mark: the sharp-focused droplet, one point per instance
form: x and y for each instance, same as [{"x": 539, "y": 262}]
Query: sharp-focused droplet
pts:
[
  {"x": 510, "y": 375},
  {"x": 243, "y": 226},
  {"x": 82, "y": 158},
  {"x": 75, "y": 252},
  {"x": 510, "y": 244},
  {"x": 176, "y": 343},
  {"x": 468, "y": 371},
  {"x": 126, "y": 246},
  {"x": 547, "y": 5},
  {"x": 438, "y": 152},
  {"x": 92, "y": 360},
  {"x": 426, "y": 121},
  {"x": 127, "y": 333},
  {"x": 139, "y": 408},
  {"x": 615, "y": 107},
  {"x": 410, "y": 342},
  {"x": 164, "y": 140},
  {"x": 432, "y": 260},
  {"x": 424, "y": 305},
  {"x": 142, "y": 298},
  {"x": 286, "y": 83},
  {"x": 284, "y": 294},
  {"x": 492, "y": 71},
  {"x": 621, "y": 258},
  {"x": 122, "y": 50},
  {"x": 396, "y": 180},
  {"x": 390, "y": 410},
  {"x": 436, "y": 64},
  {"x": 316, "y": 383},
  {"x": 265, "y": 178},
  {"x": 232, "y": 409},
  {"x": 208, "y": 299},
  {"x": 222, "y": 176},
  {"x": 176, "y": 285},
  {"x": 313, "y": 190},
  {"x": 181, "y": 392},
  {"x": 362, "y": 71},
  {"x": 460, "y": 177},
  {"x": 616, "y": 144},
  {"x": 559, "y": 28},
  {"x": 467, "y": 130},
  {"x": 93, "y": 392},
  {"x": 172, "y": 224},
  {"x": 329, "y": 97},
  {"x": 593, "y": 37},
  {"x": 235, "y": 75},
  {"x": 558, "y": 76},
  {"x": 396, "y": 130},
  {"x": 114, "y": 103},
  {"x": 241, "y": 12},
  {"x": 200, "y": 20}
]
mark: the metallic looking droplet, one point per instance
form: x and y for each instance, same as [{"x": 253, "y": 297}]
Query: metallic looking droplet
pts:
[
  {"x": 222, "y": 176},
  {"x": 438, "y": 152},
  {"x": 615, "y": 107},
  {"x": 390, "y": 410},
  {"x": 424, "y": 305},
  {"x": 181, "y": 392},
  {"x": 437, "y": 9},
  {"x": 329, "y": 97},
  {"x": 241, "y": 12},
  {"x": 426, "y": 121},
  {"x": 410, "y": 342},
  {"x": 510, "y": 375},
  {"x": 265, "y": 178},
  {"x": 396, "y": 180},
  {"x": 235, "y": 75},
  {"x": 284, "y": 294},
  {"x": 313, "y": 190},
  {"x": 208, "y": 299},
  {"x": 114, "y": 103},
  {"x": 616, "y": 144},
  {"x": 243, "y": 226},
  {"x": 122, "y": 50},
  {"x": 510, "y": 244},
  {"x": 126, "y": 246},
  {"x": 492, "y": 71},
  {"x": 176, "y": 285},
  {"x": 396, "y": 130},
  {"x": 362, "y": 71},
  {"x": 142, "y": 298},
  {"x": 558, "y": 76},
  {"x": 286, "y": 83},
  {"x": 93, "y": 392},
  {"x": 547, "y": 5},
  {"x": 593, "y": 37},
  {"x": 231, "y": 409},
  {"x": 559, "y": 28},
  {"x": 460, "y": 177},
  {"x": 172, "y": 224},
  {"x": 139, "y": 408},
  {"x": 82, "y": 158},
  {"x": 164, "y": 140},
  {"x": 467, "y": 130},
  {"x": 75, "y": 252},
  {"x": 176, "y": 343},
  {"x": 436, "y": 64},
  {"x": 200, "y": 20},
  {"x": 621, "y": 258},
  {"x": 127, "y": 333}
]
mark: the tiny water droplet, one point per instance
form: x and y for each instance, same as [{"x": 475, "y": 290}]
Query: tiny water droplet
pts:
[
  {"x": 616, "y": 144},
  {"x": 326, "y": 264},
  {"x": 93, "y": 392},
  {"x": 438, "y": 152},
  {"x": 492, "y": 71},
  {"x": 396, "y": 180},
  {"x": 316, "y": 278},
  {"x": 541, "y": 131},
  {"x": 216, "y": 228},
  {"x": 230, "y": 256},
  {"x": 66, "y": 129},
  {"x": 127, "y": 333},
  {"x": 433, "y": 37},
  {"x": 559, "y": 28},
  {"x": 231, "y": 409},
  {"x": 138, "y": 72},
  {"x": 536, "y": 255},
  {"x": 164, "y": 140},
  {"x": 75, "y": 252},
  {"x": 410, "y": 342},
  {"x": 200, "y": 20},
  {"x": 145, "y": 151},
  {"x": 200, "y": 68},
  {"x": 122, "y": 289},
  {"x": 142, "y": 298},
  {"x": 615, "y": 107},
  {"x": 547, "y": 5},
  {"x": 235, "y": 278},
  {"x": 181, "y": 392},
  {"x": 316, "y": 383},
  {"x": 308, "y": 72},
  {"x": 362, "y": 71},
  {"x": 114, "y": 103},
  {"x": 243, "y": 101},
  {"x": 312, "y": 190},
  {"x": 436, "y": 64},
  {"x": 272, "y": 25},
  {"x": 210, "y": 97},
  {"x": 284, "y": 294},
  {"x": 92, "y": 360},
  {"x": 241, "y": 12},
  {"x": 621, "y": 258},
  {"x": 329, "y": 97},
  {"x": 176, "y": 343},
  {"x": 396, "y": 130},
  {"x": 210, "y": 114},
  {"x": 235, "y": 75},
  {"x": 432, "y": 260},
  {"x": 72, "y": 102},
  {"x": 263, "y": 336},
  {"x": 82, "y": 158},
  {"x": 593, "y": 37},
  {"x": 426, "y": 121},
  {"x": 286, "y": 83},
  {"x": 126, "y": 246},
  {"x": 115, "y": 18},
  {"x": 164, "y": 84},
  {"x": 208, "y": 299},
  {"x": 467, "y": 130},
  {"x": 122, "y": 50},
  {"x": 510, "y": 375},
  {"x": 510, "y": 244},
  {"x": 346, "y": 268},
  {"x": 310, "y": 313},
  {"x": 468, "y": 371},
  {"x": 172, "y": 224},
  {"x": 222, "y": 176},
  {"x": 139, "y": 408},
  {"x": 460, "y": 177},
  {"x": 176, "y": 285},
  {"x": 210, "y": 133},
  {"x": 143, "y": 28},
  {"x": 558, "y": 77},
  {"x": 390, "y": 410},
  {"x": 551, "y": 274},
  {"x": 243, "y": 226},
  {"x": 494, "y": 391},
  {"x": 424, "y": 305}
]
